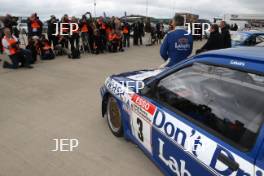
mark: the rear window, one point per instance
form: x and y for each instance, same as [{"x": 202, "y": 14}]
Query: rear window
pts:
[{"x": 229, "y": 102}]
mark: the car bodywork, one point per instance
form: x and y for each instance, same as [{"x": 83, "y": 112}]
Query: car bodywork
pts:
[
  {"x": 247, "y": 38},
  {"x": 166, "y": 132}
]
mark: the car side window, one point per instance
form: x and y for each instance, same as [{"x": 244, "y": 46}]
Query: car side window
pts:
[
  {"x": 259, "y": 39},
  {"x": 227, "y": 102},
  {"x": 251, "y": 41}
]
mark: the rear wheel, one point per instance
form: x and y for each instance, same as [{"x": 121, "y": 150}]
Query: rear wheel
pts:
[{"x": 114, "y": 119}]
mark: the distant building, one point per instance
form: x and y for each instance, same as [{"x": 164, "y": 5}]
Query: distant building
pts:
[
  {"x": 253, "y": 20},
  {"x": 189, "y": 17}
]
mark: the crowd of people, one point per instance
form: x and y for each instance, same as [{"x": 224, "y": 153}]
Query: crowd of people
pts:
[
  {"x": 94, "y": 35},
  {"x": 99, "y": 35}
]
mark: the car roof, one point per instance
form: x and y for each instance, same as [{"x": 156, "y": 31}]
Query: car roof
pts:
[
  {"x": 254, "y": 54},
  {"x": 251, "y": 32}
]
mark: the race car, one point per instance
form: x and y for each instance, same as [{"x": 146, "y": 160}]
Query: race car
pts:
[
  {"x": 202, "y": 117},
  {"x": 246, "y": 38}
]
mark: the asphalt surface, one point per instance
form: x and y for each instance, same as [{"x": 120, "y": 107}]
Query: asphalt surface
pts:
[{"x": 60, "y": 99}]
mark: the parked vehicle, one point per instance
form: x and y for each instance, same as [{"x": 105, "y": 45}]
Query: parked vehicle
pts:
[{"x": 247, "y": 38}]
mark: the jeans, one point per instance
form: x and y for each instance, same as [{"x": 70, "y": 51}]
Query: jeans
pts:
[
  {"x": 23, "y": 56},
  {"x": 126, "y": 40},
  {"x": 74, "y": 39}
]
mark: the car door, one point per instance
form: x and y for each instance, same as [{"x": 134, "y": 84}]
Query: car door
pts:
[
  {"x": 207, "y": 121},
  {"x": 259, "y": 166},
  {"x": 141, "y": 115}
]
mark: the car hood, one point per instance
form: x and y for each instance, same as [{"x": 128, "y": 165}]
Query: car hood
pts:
[{"x": 140, "y": 75}]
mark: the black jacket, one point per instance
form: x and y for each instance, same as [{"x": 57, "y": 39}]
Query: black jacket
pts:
[
  {"x": 213, "y": 42},
  {"x": 52, "y": 27},
  {"x": 226, "y": 38}
]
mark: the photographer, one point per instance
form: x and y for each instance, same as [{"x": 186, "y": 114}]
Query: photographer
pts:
[
  {"x": 65, "y": 31},
  {"x": 85, "y": 28},
  {"x": 126, "y": 35},
  {"x": 74, "y": 39},
  {"x": 52, "y": 30},
  {"x": 46, "y": 52},
  {"x": 34, "y": 26},
  {"x": 11, "y": 23},
  {"x": 16, "y": 54},
  {"x": 102, "y": 30}
]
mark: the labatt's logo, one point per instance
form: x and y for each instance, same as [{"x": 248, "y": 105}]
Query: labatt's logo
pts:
[
  {"x": 182, "y": 44},
  {"x": 176, "y": 167},
  {"x": 190, "y": 142},
  {"x": 225, "y": 170},
  {"x": 175, "y": 131}
]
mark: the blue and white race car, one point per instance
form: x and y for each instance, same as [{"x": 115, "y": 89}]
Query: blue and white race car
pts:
[
  {"x": 202, "y": 117},
  {"x": 246, "y": 38}
]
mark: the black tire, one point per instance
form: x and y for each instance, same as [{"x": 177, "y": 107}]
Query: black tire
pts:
[{"x": 113, "y": 115}]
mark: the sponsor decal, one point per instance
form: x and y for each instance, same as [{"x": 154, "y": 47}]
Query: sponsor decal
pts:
[
  {"x": 114, "y": 87},
  {"x": 174, "y": 129},
  {"x": 144, "y": 104},
  {"x": 176, "y": 167},
  {"x": 238, "y": 63},
  {"x": 203, "y": 149},
  {"x": 182, "y": 44}
]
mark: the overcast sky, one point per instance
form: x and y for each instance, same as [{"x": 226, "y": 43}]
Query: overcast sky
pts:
[{"x": 157, "y": 8}]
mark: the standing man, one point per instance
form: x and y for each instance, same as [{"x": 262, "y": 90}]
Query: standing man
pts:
[
  {"x": 102, "y": 31},
  {"x": 84, "y": 26},
  {"x": 52, "y": 30},
  {"x": 225, "y": 35},
  {"x": 34, "y": 26},
  {"x": 141, "y": 31},
  {"x": 214, "y": 40},
  {"x": 178, "y": 44},
  {"x": 126, "y": 35},
  {"x": 159, "y": 31},
  {"x": 136, "y": 34},
  {"x": 65, "y": 31}
]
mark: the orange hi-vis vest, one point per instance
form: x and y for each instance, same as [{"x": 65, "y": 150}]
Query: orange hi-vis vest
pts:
[
  {"x": 11, "y": 41},
  {"x": 35, "y": 25},
  {"x": 84, "y": 28},
  {"x": 111, "y": 37},
  {"x": 47, "y": 46},
  {"x": 125, "y": 30}
]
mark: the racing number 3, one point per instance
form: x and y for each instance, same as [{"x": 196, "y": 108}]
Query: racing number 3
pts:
[{"x": 140, "y": 129}]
